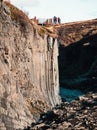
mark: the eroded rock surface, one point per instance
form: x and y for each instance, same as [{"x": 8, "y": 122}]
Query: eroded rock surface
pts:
[{"x": 29, "y": 82}]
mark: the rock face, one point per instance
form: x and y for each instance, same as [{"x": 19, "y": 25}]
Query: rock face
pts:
[
  {"x": 77, "y": 69},
  {"x": 78, "y": 55},
  {"x": 29, "y": 82}
]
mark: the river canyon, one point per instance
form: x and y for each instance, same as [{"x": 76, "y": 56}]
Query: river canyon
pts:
[{"x": 48, "y": 75}]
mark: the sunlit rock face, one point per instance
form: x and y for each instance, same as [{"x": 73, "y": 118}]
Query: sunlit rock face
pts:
[
  {"x": 78, "y": 55},
  {"x": 29, "y": 82}
]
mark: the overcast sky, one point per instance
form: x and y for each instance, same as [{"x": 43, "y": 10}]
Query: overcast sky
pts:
[{"x": 67, "y": 10}]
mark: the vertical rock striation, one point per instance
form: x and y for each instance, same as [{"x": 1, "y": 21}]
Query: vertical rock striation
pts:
[{"x": 28, "y": 72}]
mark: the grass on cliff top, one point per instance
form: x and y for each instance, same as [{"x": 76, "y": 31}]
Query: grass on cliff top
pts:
[
  {"x": 22, "y": 19},
  {"x": 47, "y": 30},
  {"x": 18, "y": 15}
]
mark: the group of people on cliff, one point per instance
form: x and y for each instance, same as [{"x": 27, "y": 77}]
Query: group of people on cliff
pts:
[{"x": 56, "y": 20}]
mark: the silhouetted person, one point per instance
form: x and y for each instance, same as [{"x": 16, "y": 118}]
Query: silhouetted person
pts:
[
  {"x": 59, "y": 20},
  {"x": 55, "y": 20}
]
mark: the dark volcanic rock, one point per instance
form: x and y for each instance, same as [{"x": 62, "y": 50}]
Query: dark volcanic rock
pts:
[
  {"x": 80, "y": 114},
  {"x": 78, "y": 65}
]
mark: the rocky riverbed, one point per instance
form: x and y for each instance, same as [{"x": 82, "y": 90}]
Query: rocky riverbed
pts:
[{"x": 80, "y": 114}]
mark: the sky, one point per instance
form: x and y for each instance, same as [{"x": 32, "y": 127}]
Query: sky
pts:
[{"x": 67, "y": 10}]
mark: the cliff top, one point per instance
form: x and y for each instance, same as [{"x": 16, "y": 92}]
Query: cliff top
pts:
[
  {"x": 75, "y": 31},
  {"x": 67, "y": 33},
  {"x": 21, "y": 19},
  {"x": 17, "y": 15}
]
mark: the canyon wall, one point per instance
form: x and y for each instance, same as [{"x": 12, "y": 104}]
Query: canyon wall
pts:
[
  {"x": 29, "y": 82},
  {"x": 78, "y": 55}
]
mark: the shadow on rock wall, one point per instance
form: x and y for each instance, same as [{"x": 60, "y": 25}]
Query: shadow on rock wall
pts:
[{"x": 78, "y": 64}]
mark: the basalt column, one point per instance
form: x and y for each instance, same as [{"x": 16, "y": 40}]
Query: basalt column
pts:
[{"x": 52, "y": 73}]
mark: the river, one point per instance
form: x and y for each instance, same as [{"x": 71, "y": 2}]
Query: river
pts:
[{"x": 69, "y": 94}]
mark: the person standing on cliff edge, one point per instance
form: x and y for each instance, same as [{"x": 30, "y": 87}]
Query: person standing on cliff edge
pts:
[
  {"x": 55, "y": 20},
  {"x": 59, "y": 20}
]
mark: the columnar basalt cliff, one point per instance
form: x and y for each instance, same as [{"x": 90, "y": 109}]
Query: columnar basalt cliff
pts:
[
  {"x": 29, "y": 82},
  {"x": 77, "y": 70}
]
